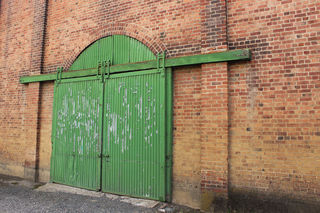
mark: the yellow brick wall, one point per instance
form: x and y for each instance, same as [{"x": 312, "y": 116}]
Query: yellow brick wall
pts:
[
  {"x": 45, "y": 130},
  {"x": 186, "y": 136}
]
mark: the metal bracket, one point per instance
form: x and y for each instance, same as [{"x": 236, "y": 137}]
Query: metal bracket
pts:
[
  {"x": 108, "y": 63},
  {"x": 59, "y": 74},
  {"x": 103, "y": 71},
  {"x": 98, "y": 70},
  {"x": 107, "y": 156},
  {"x": 161, "y": 63}
]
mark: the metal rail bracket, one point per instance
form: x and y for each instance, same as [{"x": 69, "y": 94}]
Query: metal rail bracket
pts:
[
  {"x": 161, "y": 62},
  {"x": 108, "y": 64},
  {"x": 98, "y": 69},
  {"x": 59, "y": 75}
]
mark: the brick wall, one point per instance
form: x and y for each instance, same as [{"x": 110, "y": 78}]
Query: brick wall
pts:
[
  {"x": 45, "y": 145},
  {"x": 214, "y": 26},
  {"x": 238, "y": 127},
  {"x": 32, "y": 123},
  {"x": 171, "y": 25},
  {"x": 15, "y": 46},
  {"x": 214, "y": 132},
  {"x": 274, "y": 99},
  {"x": 187, "y": 136}
]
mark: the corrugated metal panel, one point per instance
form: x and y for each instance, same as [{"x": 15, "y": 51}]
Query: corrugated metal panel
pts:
[
  {"x": 76, "y": 147},
  {"x": 139, "y": 52},
  {"x": 134, "y": 135},
  {"x": 122, "y": 47},
  {"x": 119, "y": 49},
  {"x": 133, "y": 125}
]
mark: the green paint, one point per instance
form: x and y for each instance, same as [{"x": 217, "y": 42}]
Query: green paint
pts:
[
  {"x": 89, "y": 69},
  {"x": 134, "y": 132},
  {"x": 119, "y": 49},
  {"x": 112, "y": 132},
  {"x": 134, "y": 135},
  {"x": 169, "y": 136},
  {"x": 75, "y": 156},
  {"x": 234, "y": 55}
]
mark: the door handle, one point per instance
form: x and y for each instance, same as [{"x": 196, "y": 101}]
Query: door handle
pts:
[
  {"x": 107, "y": 157},
  {"x": 104, "y": 156}
]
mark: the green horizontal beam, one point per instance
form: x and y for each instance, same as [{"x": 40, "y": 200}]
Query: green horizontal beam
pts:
[
  {"x": 234, "y": 55},
  {"x": 53, "y": 76}
]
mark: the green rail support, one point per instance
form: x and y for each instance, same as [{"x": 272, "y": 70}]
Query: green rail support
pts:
[{"x": 234, "y": 55}]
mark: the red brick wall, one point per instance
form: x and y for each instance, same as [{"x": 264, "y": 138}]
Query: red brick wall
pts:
[
  {"x": 214, "y": 27},
  {"x": 244, "y": 126},
  {"x": 274, "y": 99},
  {"x": 171, "y": 25},
  {"x": 32, "y": 124},
  {"x": 200, "y": 169},
  {"x": 214, "y": 129},
  {"x": 15, "y": 46}
]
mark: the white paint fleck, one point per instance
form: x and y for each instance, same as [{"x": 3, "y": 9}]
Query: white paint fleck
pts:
[
  {"x": 121, "y": 85},
  {"x": 140, "y": 100},
  {"x": 148, "y": 116}
]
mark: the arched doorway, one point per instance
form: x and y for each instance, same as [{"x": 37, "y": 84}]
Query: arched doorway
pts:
[{"x": 111, "y": 131}]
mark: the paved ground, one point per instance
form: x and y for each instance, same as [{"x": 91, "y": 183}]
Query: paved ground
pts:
[{"x": 17, "y": 195}]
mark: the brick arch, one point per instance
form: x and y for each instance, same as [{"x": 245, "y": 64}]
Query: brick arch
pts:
[{"x": 144, "y": 35}]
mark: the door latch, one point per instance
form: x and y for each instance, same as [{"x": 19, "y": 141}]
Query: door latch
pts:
[{"x": 107, "y": 156}]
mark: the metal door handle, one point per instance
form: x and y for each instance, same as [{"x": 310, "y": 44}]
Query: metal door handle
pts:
[
  {"x": 103, "y": 156},
  {"x": 107, "y": 158}
]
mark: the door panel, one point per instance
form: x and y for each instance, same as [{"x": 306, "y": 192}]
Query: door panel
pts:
[
  {"x": 133, "y": 160},
  {"x": 76, "y": 132},
  {"x": 132, "y": 125}
]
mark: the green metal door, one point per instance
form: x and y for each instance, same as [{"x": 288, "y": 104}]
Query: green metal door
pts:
[
  {"x": 76, "y": 132},
  {"x": 112, "y": 132},
  {"x": 134, "y": 135}
]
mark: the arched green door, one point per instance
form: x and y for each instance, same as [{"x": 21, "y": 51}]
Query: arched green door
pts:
[{"x": 112, "y": 133}]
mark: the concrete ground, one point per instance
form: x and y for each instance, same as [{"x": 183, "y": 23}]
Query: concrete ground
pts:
[{"x": 18, "y": 195}]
